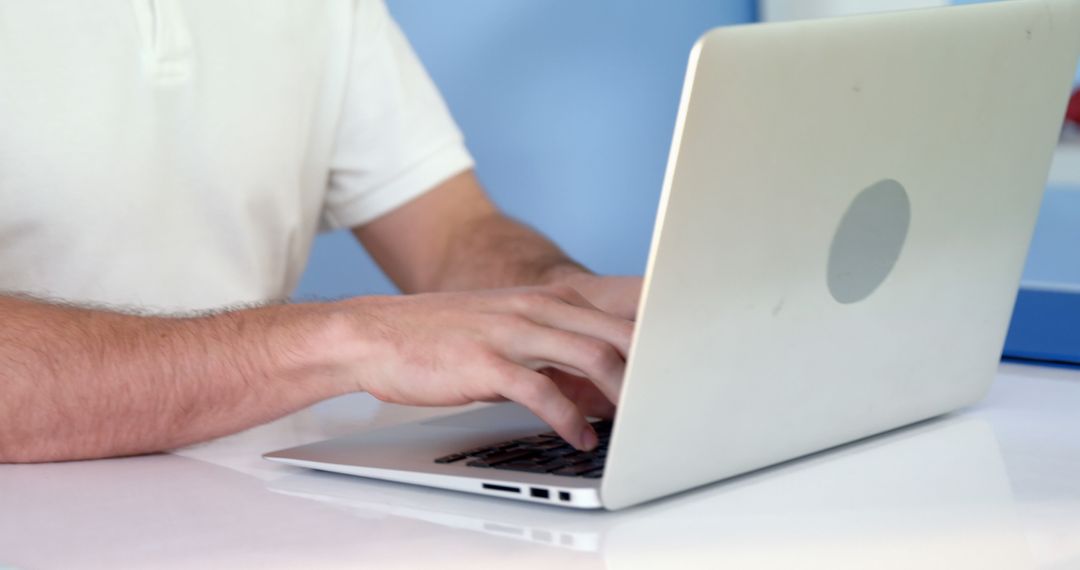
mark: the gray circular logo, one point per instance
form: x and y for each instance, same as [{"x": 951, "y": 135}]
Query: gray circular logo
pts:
[{"x": 868, "y": 241}]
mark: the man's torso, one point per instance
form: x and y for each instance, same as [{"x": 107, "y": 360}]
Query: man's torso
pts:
[{"x": 165, "y": 154}]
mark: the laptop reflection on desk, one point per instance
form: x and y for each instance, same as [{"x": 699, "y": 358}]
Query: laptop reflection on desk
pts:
[{"x": 935, "y": 495}]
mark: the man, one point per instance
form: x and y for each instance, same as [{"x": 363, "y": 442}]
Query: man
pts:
[{"x": 163, "y": 160}]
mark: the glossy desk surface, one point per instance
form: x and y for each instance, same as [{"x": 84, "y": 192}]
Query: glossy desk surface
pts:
[{"x": 995, "y": 486}]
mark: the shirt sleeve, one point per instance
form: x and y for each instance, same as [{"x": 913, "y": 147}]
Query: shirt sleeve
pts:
[{"x": 396, "y": 138}]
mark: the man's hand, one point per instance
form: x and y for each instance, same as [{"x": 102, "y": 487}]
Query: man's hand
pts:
[
  {"x": 617, "y": 295},
  {"x": 116, "y": 384},
  {"x": 530, "y": 345}
]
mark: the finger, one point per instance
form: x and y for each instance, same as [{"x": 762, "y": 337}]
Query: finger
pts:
[
  {"x": 538, "y": 347},
  {"x": 627, "y": 295},
  {"x": 618, "y": 296},
  {"x": 570, "y": 295},
  {"x": 540, "y": 395},
  {"x": 616, "y": 331},
  {"x": 588, "y": 398},
  {"x": 564, "y": 308}
]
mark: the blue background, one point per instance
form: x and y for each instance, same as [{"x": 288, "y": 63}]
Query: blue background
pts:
[
  {"x": 1046, "y": 322},
  {"x": 568, "y": 108}
]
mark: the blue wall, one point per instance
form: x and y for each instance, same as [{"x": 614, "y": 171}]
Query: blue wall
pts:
[
  {"x": 568, "y": 108},
  {"x": 1045, "y": 320}
]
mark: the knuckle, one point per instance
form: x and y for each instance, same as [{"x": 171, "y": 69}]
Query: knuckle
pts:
[
  {"x": 479, "y": 362},
  {"x": 600, "y": 356},
  {"x": 481, "y": 354},
  {"x": 512, "y": 321},
  {"x": 563, "y": 291},
  {"x": 528, "y": 300},
  {"x": 546, "y": 295}
]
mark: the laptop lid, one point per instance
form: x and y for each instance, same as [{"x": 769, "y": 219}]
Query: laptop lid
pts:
[{"x": 844, "y": 220}]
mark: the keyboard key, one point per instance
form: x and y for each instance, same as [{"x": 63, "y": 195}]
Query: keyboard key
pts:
[
  {"x": 451, "y": 458},
  {"x": 510, "y": 455},
  {"x": 596, "y": 474},
  {"x": 550, "y": 460},
  {"x": 550, "y": 466},
  {"x": 532, "y": 440},
  {"x": 488, "y": 453},
  {"x": 478, "y": 463},
  {"x": 575, "y": 470},
  {"x": 526, "y": 466}
]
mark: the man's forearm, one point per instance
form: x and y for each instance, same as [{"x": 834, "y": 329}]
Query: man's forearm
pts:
[
  {"x": 497, "y": 251},
  {"x": 79, "y": 383}
]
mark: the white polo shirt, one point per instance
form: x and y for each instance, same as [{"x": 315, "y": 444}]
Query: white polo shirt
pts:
[{"x": 182, "y": 154}]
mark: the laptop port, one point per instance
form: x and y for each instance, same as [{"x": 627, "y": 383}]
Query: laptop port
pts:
[
  {"x": 503, "y": 488},
  {"x": 564, "y": 496},
  {"x": 539, "y": 493}
]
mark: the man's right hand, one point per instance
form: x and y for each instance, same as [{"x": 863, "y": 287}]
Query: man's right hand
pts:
[{"x": 530, "y": 345}]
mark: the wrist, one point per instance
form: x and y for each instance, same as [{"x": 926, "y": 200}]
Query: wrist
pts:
[
  {"x": 343, "y": 342},
  {"x": 313, "y": 344}
]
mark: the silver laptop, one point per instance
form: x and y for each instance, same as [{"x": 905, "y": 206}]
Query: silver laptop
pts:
[
  {"x": 844, "y": 220},
  {"x": 919, "y": 496}
]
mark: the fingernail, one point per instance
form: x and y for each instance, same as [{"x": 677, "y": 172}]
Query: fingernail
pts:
[{"x": 588, "y": 438}]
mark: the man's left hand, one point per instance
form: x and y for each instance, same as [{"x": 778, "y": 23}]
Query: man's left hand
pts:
[{"x": 618, "y": 296}]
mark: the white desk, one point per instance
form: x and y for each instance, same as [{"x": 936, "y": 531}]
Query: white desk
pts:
[{"x": 997, "y": 486}]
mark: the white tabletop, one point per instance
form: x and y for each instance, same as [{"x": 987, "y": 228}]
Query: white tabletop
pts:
[{"x": 996, "y": 486}]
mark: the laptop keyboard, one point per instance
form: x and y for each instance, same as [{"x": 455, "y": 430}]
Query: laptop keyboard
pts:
[{"x": 544, "y": 453}]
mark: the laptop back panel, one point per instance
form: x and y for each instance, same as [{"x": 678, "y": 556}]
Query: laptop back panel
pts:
[{"x": 843, "y": 226}]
